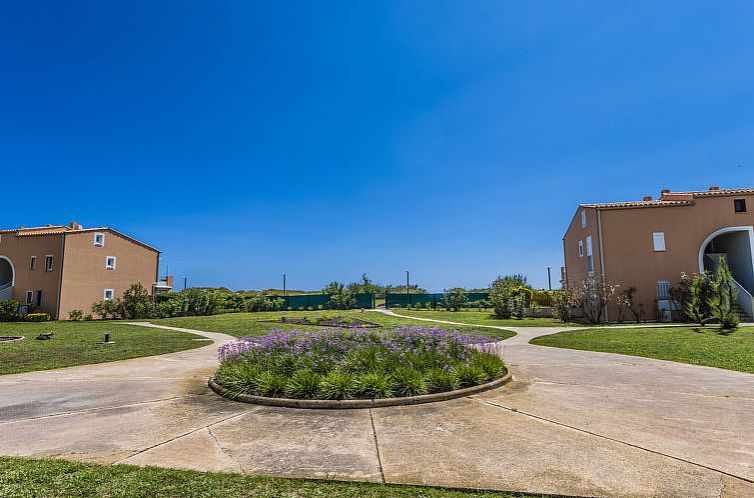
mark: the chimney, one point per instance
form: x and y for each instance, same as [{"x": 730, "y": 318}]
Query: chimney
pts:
[
  {"x": 647, "y": 198},
  {"x": 714, "y": 188},
  {"x": 665, "y": 191},
  {"x": 75, "y": 226}
]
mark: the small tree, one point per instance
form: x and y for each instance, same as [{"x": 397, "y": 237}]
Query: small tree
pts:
[
  {"x": 561, "y": 305},
  {"x": 340, "y": 297},
  {"x": 592, "y": 295},
  {"x": 455, "y": 298},
  {"x": 625, "y": 301},
  {"x": 501, "y": 296},
  {"x": 136, "y": 303},
  {"x": 723, "y": 297},
  {"x": 699, "y": 307}
]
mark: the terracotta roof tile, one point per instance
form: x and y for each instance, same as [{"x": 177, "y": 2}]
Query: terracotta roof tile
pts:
[
  {"x": 714, "y": 193},
  {"x": 669, "y": 199},
  {"x": 637, "y": 204},
  {"x": 62, "y": 229}
]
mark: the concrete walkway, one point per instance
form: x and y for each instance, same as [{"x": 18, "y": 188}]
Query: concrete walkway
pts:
[{"x": 571, "y": 422}]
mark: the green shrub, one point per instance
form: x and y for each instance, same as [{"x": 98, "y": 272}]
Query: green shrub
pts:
[
  {"x": 304, "y": 384},
  {"x": 338, "y": 385},
  {"x": 470, "y": 375},
  {"x": 8, "y": 311},
  {"x": 561, "y": 305},
  {"x": 238, "y": 377},
  {"x": 340, "y": 298},
  {"x": 136, "y": 303},
  {"x": 75, "y": 315},
  {"x": 108, "y": 309},
  {"x": 374, "y": 385},
  {"x": 201, "y": 302},
  {"x": 439, "y": 380},
  {"x": 491, "y": 365},
  {"x": 455, "y": 298},
  {"x": 518, "y": 306},
  {"x": 270, "y": 384},
  {"x": 408, "y": 382},
  {"x": 37, "y": 317},
  {"x": 256, "y": 301}
]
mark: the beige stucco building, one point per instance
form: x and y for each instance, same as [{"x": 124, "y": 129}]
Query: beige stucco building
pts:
[
  {"x": 56, "y": 269},
  {"x": 648, "y": 243}
]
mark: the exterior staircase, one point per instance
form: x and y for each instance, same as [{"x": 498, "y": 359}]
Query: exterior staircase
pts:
[
  {"x": 6, "y": 291},
  {"x": 742, "y": 315}
]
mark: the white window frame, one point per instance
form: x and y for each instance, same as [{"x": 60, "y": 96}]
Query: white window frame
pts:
[
  {"x": 658, "y": 242},
  {"x": 49, "y": 257},
  {"x": 33, "y": 263},
  {"x": 104, "y": 294},
  {"x": 583, "y": 218},
  {"x": 100, "y": 243},
  {"x": 581, "y": 248},
  {"x": 29, "y": 297},
  {"x": 663, "y": 284},
  {"x": 589, "y": 256},
  {"x": 108, "y": 266}
]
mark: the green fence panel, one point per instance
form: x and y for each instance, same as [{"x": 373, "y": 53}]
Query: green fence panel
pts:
[
  {"x": 305, "y": 301},
  {"x": 365, "y": 300},
  {"x": 434, "y": 300}
]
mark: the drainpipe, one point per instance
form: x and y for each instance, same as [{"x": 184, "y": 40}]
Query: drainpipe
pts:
[
  {"x": 60, "y": 281},
  {"x": 602, "y": 258}
]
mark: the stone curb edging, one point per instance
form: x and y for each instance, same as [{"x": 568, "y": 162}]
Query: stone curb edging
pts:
[
  {"x": 360, "y": 403},
  {"x": 12, "y": 339}
]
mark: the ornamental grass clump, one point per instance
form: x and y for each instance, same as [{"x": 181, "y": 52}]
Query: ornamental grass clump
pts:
[{"x": 356, "y": 363}]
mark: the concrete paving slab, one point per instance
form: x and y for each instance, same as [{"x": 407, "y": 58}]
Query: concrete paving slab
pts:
[
  {"x": 108, "y": 435},
  {"x": 198, "y": 450},
  {"x": 467, "y": 443},
  {"x": 290, "y": 442}
]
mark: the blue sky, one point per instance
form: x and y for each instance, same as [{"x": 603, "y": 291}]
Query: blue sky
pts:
[{"x": 328, "y": 139}]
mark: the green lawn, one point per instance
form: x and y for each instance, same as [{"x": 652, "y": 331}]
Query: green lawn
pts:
[
  {"x": 483, "y": 318},
  {"x": 695, "y": 345},
  {"x": 49, "y": 478},
  {"x": 75, "y": 343},
  {"x": 250, "y": 324}
]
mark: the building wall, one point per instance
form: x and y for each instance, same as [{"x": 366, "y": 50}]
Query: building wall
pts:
[
  {"x": 85, "y": 277},
  {"x": 628, "y": 247},
  {"x": 577, "y": 266},
  {"x": 20, "y": 250}
]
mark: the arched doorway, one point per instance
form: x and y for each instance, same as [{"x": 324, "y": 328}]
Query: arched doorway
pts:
[
  {"x": 7, "y": 278},
  {"x": 736, "y": 245}
]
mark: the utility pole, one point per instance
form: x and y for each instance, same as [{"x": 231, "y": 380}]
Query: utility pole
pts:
[
  {"x": 283, "y": 284},
  {"x": 408, "y": 294},
  {"x": 185, "y": 282},
  {"x": 549, "y": 278}
]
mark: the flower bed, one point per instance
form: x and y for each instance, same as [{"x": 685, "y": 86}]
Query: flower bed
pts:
[{"x": 338, "y": 364}]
